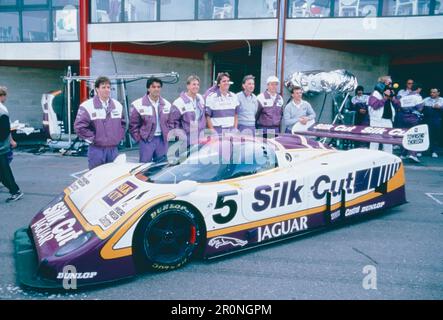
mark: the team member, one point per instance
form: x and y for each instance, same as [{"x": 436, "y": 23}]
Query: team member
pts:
[
  {"x": 222, "y": 106},
  {"x": 410, "y": 115},
  {"x": 101, "y": 123},
  {"x": 149, "y": 122},
  {"x": 359, "y": 104},
  {"x": 382, "y": 105},
  {"x": 270, "y": 107},
  {"x": 188, "y": 111},
  {"x": 297, "y": 110},
  {"x": 433, "y": 112},
  {"x": 248, "y": 105},
  {"x": 6, "y": 176}
]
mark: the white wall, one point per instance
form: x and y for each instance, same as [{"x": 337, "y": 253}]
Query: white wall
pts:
[
  {"x": 102, "y": 64},
  {"x": 40, "y": 51}
]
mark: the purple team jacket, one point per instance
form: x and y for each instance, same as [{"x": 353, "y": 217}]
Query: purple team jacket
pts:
[
  {"x": 104, "y": 128},
  {"x": 270, "y": 111},
  {"x": 183, "y": 114},
  {"x": 143, "y": 119}
]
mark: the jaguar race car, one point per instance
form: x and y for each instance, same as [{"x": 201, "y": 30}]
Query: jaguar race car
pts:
[{"x": 231, "y": 193}]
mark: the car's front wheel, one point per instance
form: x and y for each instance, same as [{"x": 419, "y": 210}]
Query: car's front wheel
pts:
[{"x": 167, "y": 237}]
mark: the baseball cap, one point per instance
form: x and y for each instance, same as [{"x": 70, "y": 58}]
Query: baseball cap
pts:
[{"x": 272, "y": 79}]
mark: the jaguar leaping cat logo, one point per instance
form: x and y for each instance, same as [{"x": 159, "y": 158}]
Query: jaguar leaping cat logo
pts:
[{"x": 218, "y": 242}]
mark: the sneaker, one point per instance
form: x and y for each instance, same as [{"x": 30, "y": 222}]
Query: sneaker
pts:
[
  {"x": 402, "y": 157},
  {"x": 15, "y": 197},
  {"x": 419, "y": 154},
  {"x": 414, "y": 158},
  {"x": 434, "y": 155}
]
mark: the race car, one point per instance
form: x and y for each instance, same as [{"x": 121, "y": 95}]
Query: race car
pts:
[{"x": 229, "y": 193}]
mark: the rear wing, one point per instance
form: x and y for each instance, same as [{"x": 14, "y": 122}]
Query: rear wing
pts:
[{"x": 413, "y": 139}]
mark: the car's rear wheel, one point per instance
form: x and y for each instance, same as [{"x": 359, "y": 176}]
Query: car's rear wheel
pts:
[{"x": 167, "y": 237}]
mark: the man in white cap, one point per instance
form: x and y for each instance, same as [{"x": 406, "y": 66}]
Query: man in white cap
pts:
[{"x": 270, "y": 107}]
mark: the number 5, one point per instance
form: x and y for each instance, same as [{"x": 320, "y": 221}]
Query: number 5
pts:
[{"x": 221, "y": 203}]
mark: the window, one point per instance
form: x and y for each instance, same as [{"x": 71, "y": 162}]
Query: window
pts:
[
  {"x": 36, "y": 26},
  {"x": 438, "y": 7},
  {"x": 65, "y": 24},
  {"x": 216, "y": 9},
  {"x": 7, "y": 3},
  {"x": 216, "y": 161},
  {"x": 62, "y": 3},
  {"x": 106, "y": 10},
  {"x": 309, "y": 8},
  {"x": 35, "y": 2},
  {"x": 406, "y": 7},
  {"x": 140, "y": 10},
  {"x": 9, "y": 27},
  {"x": 177, "y": 9},
  {"x": 257, "y": 9},
  {"x": 356, "y": 8}
]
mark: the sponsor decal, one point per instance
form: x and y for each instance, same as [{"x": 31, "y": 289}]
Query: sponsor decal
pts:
[
  {"x": 335, "y": 215},
  {"x": 222, "y": 241},
  {"x": 55, "y": 225},
  {"x": 111, "y": 217},
  {"x": 362, "y": 209},
  {"x": 79, "y": 183},
  {"x": 386, "y": 132},
  {"x": 78, "y": 275},
  {"x": 105, "y": 221},
  {"x": 119, "y": 193},
  {"x": 282, "y": 228},
  {"x": 289, "y": 192},
  {"x": 354, "y": 182},
  {"x": 278, "y": 195},
  {"x": 417, "y": 138}
]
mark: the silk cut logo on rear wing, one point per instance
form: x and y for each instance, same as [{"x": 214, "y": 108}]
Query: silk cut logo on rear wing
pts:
[{"x": 413, "y": 139}]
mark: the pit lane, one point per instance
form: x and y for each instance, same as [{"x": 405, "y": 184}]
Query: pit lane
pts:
[{"x": 405, "y": 245}]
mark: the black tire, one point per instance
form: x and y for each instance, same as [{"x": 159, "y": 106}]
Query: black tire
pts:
[{"x": 167, "y": 237}]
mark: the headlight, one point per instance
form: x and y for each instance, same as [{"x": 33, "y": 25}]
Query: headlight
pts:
[{"x": 74, "y": 244}]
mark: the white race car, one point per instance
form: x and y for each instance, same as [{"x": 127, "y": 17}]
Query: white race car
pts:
[{"x": 234, "y": 193}]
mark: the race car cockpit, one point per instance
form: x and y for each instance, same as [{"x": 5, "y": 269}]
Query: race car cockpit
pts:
[{"x": 216, "y": 161}]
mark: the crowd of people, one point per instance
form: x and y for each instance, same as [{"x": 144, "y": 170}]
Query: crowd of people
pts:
[
  {"x": 100, "y": 121},
  {"x": 385, "y": 107}
]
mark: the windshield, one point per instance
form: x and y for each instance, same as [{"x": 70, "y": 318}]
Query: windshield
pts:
[{"x": 216, "y": 161}]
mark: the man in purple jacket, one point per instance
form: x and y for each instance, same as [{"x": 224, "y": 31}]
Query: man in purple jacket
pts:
[
  {"x": 270, "y": 107},
  {"x": 148, "y": 124},
  {"x": 101, "y": 123},
  {"x": 188, "y": 112}
]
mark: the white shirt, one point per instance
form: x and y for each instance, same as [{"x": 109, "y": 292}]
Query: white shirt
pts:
[
  {"x": 430, "y": 102},
  {"x": 158, "y": 130},
  {"x": 105, "y": 104},
  {"x": 222, "y": 109},
  {"x": 196, "y": 109},
  {"x": 3, "y": 107}
]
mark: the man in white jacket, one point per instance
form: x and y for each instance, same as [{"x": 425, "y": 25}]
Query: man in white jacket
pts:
[{"x": 381, "y": 106}]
